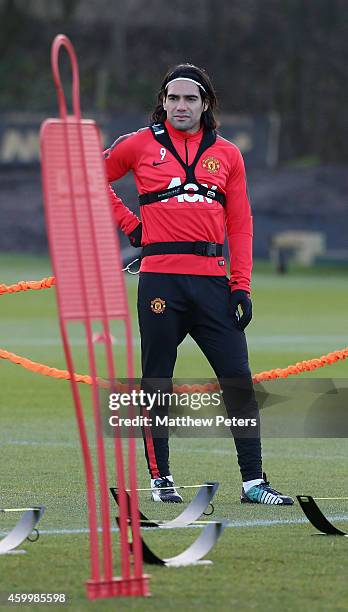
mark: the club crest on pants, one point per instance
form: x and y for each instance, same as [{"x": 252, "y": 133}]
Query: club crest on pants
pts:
[{"x": 158, "y": 305}]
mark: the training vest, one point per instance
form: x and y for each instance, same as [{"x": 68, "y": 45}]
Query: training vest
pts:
[
  {"x": 160, "y": 133},
  {"x": 200, "y": 222}
]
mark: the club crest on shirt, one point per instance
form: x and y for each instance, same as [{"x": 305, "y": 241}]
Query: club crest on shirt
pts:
[
  {"x": 158, "y": 305},
  {"x": 211, "y": 164}
]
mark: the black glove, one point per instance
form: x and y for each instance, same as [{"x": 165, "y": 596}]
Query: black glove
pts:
[
  {"x": 241, "y": 298},
  {"x": 135, "y": 236}
]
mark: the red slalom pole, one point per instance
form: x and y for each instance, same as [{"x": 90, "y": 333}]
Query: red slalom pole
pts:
[{"x": 90, "y": 287}]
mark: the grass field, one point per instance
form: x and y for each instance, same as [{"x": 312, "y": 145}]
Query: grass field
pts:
[{"x": 267, "y": 558}]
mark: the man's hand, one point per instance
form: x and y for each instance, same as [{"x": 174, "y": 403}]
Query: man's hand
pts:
[
  {"x": 135, "y": 236},
  {"x": 240, "y": 298}
]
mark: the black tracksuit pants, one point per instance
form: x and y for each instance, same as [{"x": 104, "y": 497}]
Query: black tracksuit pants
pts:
[{"x": 199, "y": 306}]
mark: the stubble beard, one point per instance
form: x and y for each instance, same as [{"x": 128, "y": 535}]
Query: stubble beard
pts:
[{"x": 184, "y": 126}]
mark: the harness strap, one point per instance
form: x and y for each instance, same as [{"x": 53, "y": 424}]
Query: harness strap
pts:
[
  {"x": 201, "y": 247},
  {"x": 160, "y": 133},
  {"x": 157, "y": 196}
]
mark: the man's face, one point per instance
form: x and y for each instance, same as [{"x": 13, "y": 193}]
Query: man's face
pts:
[{"x": 184, "y": 106}]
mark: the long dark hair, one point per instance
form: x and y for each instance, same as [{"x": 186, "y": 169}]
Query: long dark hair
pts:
[{"x": 208, "y": 120}]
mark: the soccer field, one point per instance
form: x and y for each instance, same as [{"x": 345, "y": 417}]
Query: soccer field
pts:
[{"x": 267, "y": 558}]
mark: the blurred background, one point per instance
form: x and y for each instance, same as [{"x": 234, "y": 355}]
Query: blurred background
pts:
[{"x": 280, "y": 71}]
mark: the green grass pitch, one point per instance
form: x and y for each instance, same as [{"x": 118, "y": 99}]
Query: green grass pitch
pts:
[{"x": 268, "y": 559}]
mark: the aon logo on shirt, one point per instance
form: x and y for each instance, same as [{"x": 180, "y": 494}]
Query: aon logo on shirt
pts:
[{"x": 189, "y": 197}]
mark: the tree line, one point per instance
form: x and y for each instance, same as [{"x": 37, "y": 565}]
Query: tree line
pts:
[{"x": 284, "y": 56}]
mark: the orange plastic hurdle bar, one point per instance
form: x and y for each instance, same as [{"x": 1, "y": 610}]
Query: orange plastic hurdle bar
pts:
[{"x": 90, "y": 287}]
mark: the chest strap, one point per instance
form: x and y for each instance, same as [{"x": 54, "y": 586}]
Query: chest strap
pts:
[
  {"x": 160, "y": 133},
  {"x": 207, "y": 249}
]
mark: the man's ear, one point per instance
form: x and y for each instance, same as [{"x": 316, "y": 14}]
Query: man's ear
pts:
[{"x": 205, "y": 106}]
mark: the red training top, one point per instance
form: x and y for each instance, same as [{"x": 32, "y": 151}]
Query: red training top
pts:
[{"x": 186, "y": 217}]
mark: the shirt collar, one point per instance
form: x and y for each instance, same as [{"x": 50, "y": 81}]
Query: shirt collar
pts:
[{"x": 181, "y": 135}]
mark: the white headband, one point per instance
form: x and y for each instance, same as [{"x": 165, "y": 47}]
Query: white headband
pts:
[{"x": 186, "y": 79}]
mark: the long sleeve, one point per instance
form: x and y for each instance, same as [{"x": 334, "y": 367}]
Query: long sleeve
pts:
[
  {"x": 239, "y": 227},
  {"x": 124, "y": 218},
  {"x": 119, "y": 159}
]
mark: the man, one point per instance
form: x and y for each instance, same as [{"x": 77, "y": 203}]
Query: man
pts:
[{"x": 192, "y": 189}]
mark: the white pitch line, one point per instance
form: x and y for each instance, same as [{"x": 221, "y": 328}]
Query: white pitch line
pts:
[
  {"x": 38, "y": 443},
  {"x": 306, "y": 339},
  {"x": 235, "y": 524},
  {"x": 215, "y": 451},
  {"x": 266, "y": 454},
  {"x": 72, "y": 444}
]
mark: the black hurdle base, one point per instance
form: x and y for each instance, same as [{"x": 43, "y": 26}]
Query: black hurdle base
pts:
[
  {"x": 193, "y": 554},
  {"x": 317, "y": 518},
  {"x": 208, "y": 537},
  {"x": 191, "y": 513}
]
